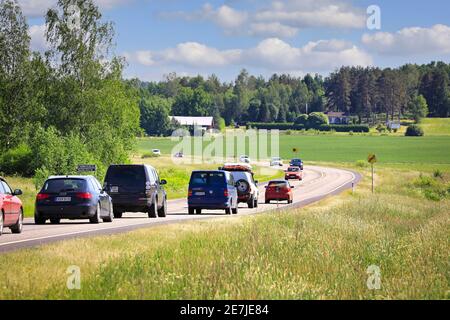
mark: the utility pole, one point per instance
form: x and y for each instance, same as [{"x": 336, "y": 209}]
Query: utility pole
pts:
[{"x": 307, "y": 108}]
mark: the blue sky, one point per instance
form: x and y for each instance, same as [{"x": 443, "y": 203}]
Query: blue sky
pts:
[{"x": 292, "y": 36}]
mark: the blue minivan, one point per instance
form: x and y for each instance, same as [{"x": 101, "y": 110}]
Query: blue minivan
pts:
[{"x": 212, "y": 190}]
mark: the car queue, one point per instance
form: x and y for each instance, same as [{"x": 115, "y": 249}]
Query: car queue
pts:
[{"x": 138, "y": 188}]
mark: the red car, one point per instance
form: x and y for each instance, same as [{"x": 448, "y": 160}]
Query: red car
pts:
[
  {"x": 279, "y": 190},
  {"x": 11, "y": 210},
  {"x": 294, "y": 173}
]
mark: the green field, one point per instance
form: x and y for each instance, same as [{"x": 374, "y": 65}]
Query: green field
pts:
[
  {"x": 319, "y": 252},
  {"x": 436, "y": 127},
  {"x": 340, "y": 148}
]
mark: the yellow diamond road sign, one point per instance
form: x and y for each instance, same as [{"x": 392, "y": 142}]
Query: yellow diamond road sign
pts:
[
  {"x": 295, "y": 150},
  {"x": 372, "y": 159}
]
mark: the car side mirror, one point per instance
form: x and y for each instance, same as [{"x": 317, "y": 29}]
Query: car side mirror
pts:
[
  {"x": 163, "y": 182},
  {"x": 17, "y": 192},
  {"x": 292, "y": 187},
  {"x": 256, "y": 182}
]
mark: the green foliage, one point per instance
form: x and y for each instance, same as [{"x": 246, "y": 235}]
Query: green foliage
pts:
[
  {"x": 275, "y": 126},
  {"x": 302, "y": 119},
  {"x": 414, "y": 131},
  {"x": 432, "y": 188},
  {"x": 221, "y": 124},
  {"x": 317, "y": 119},
  {"x": 149, "y": 155},
  {"x": 381, "y": 128},
  {"x": 361, "y": 164},
  {"x": 345, "y": 128},
  {"x": 418, "y": 108},
  {"x": 155, "y": 115},
  {"x": 17, "y": 161}
]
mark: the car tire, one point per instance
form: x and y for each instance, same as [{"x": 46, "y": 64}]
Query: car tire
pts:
[
  {"x": 111, "y": 216},
  {"x": 162, "y": 213},
  {"x": 228, "y": 211},
  {"x": 38, "y": 220},
  {"x": 290, "y": 201},
  {"x": 96, "y": 218},
  {"x": 153, "y": 210},
  {"x": 267, "y": 201},
  {"x": 118, "y": 214},
  {"x": 198, "y": 211},
  {"x": 191, "y": 211},
  {"x": 251, "y": 203},
  {"x": 1, "y": 223},
  {"x": 18, "y": 227},
  {"x": 55, "y": 221},
  {"x": 256, "y": 203},
  {"x": 235, "y": 210}
]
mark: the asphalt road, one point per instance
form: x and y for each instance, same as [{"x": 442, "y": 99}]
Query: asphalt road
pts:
[{"x": 319, "y": 183}]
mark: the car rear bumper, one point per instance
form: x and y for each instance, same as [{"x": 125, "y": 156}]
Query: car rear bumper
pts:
[
  {"x": 201, "y": 204},
  {"x": 66, "y": 212},
  {"x": 131, "y": 204}
]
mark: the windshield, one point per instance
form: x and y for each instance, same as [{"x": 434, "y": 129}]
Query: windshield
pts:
[
  {"x": 294, "y": 169},
  {"x": 126, "y": 176},
  {"x": 207, "y": 178},
  {"x": 65, "y": 185}
]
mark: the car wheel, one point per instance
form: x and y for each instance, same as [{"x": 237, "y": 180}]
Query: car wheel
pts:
[
  {"x": 267, "y": 201},
  {"x": 251, "y": 203},
  {"x": 38, "y": 220},
  {"x": 162, "y": 213},
  {"x": 198, "y": 211},
  {"x": 227, "y": 211},
  {"x": 235, "y": 210},
  {"x": 111, "y": 216},
  {"x": 118, "y": 214},
  {"x": 153, "y": 210},
  {"x": 55, "y": 221},
  {"x": 18, "y": 227},
  {"x": 191, "y": 211},
  {"x": 1, "y": 223},
  {"x": 256, "y": 203},
  {"x": 96, "y": 218}
]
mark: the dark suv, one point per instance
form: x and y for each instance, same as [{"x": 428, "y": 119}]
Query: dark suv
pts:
[{"x": 136, "y": 188}]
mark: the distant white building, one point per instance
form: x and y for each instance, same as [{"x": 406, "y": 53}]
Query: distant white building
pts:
[
  {"x": 338, "y": 118},
  {"x": 206, "y": 123}
]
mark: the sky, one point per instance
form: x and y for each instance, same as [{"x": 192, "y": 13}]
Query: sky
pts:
[{"x": 200, "y": 37}]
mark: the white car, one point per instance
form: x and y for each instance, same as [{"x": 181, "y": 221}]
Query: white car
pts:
[
  {"x": 156, "y": 152},
  {"x": 247, "y": 187},
  {"x": 244, "y": 159},
  {"x": 276, "y": 161}
]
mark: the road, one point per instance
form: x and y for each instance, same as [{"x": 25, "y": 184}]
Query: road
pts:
[{"x": 319, "y": 183}]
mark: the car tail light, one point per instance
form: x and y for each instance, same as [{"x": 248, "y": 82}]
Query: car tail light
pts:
[
  {"x": 190, "y": 193},
  {"x": 84, "y": 195},
  {"x": 42, "y": 196},
  {"x": 226, "y": 193}
]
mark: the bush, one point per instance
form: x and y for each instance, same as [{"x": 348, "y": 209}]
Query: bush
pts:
[
  {"x": 302, "y": 120},
  {"x": 17, "y": 161},
  {"x": 345, "y": 128},
  {"x": 148, "y": 155},
  {"x": 381, "y": 128},
  {"x": 274, "y": 126},
  {"x": 317, "y": 119},
  {"x": 414, "y": 131},
  {"x": 361, "y": 164}
]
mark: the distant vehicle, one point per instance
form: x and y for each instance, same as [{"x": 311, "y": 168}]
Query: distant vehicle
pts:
[
  {"x": 73, "y": 197},
  {"x": 136, "y": 188},
  {"x": 212, "y": 190},
  {"x": 179, "y": 155},
  {"x": 156, "y": 152},
  {"x": 294, "y": 173},
  {"x": 11, "y": 209},
  {"x": 276, "y": 161},
  {"x": 297, "y": 163},
  {"x": 244, "y": 159},
  {"x": 279, "y": 190},
  {"x": 247, "y": 187}
]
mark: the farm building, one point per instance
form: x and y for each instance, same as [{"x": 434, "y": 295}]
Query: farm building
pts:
[
  {"x": 206, "y": 123},
  {"x": 338, "y": 118}
]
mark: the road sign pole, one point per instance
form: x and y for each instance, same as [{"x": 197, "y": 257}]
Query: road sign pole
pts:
[{"x": 373, "y": 186}]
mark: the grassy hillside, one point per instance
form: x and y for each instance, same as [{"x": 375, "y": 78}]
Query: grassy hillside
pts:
[
  {"x": 319, "y": 252},
  {"x": 436, "y": 127},
  {"x": 346, "y": 148}
]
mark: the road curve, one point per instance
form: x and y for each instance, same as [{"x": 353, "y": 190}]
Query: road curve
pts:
[{"x": 319, "y": 183}]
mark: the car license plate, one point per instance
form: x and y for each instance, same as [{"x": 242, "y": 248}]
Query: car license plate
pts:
[
  {"x": 63, "y": 199},
  {"x": 114, "y": 189},
  {"x": 200, "y": 193}
]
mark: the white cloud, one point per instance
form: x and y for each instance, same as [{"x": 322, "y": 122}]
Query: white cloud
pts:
[
  {"x": 271, "y": 54},
  {"x": 272, "y": 29},
  {"x": 411, "y": 41},
  {"x": 38, "y": 40}
]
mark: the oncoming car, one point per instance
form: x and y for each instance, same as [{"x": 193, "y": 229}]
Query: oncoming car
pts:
[
  {"x": 279, "y": 190},
  {"x": 297, "y": 163},
  {"x": 276, "y": 161},
  {"x": 293, "y": 173},
  {"x": 74, "y": 198},
  {"x": 212, "y": 190},
  {"x": 11, "y": 210}
]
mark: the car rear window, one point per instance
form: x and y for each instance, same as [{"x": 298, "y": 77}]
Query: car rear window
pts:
[
  {"x": 294, "y": 169},
  {"x": 207, "y": 178},
  {"x": 65, "y": 185},
  {"x": 126, "y": 176},
  {"x": 278, "y": 184}
]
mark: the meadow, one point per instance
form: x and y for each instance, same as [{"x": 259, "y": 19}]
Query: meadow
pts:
[{"x": 323, "y": 251}]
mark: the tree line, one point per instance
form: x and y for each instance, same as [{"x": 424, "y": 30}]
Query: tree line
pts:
[
  {"x": 369, "y": 94},
  {"x": 68, "y": 105}
]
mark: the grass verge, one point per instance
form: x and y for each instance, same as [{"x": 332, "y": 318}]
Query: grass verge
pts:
[{"x": 319, "y": 252}]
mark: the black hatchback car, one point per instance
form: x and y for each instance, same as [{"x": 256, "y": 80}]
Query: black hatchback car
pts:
[
  {"x": 136, "y": 188},
  {"x": 73, "y": 197}
]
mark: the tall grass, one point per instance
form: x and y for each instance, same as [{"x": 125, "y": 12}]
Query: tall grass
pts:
[{"x": 319, "y": 252}]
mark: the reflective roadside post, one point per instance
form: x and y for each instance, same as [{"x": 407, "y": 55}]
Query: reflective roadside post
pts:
[{"x": 372, "y": 159}]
